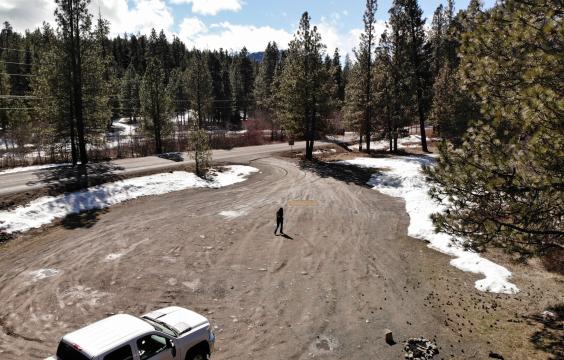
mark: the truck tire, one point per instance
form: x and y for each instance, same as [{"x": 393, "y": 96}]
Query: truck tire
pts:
[{"x": 199, "y": 355}]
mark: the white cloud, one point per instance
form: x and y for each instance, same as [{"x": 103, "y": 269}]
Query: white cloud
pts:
[
  {"x": 140, "y": 17},
  {"x": 234, "y": 37},
  {"x": 29, "y": 15},
  {"x": 190, "y": 27},
  {"x": 211, "y": 7},
  {"x": 333, "y": 37}
]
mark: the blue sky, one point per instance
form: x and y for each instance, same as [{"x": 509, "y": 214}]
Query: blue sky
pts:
[{"x": 228, "y": 24}]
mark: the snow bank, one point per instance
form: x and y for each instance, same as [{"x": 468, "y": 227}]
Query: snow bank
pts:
[
  {"x": 403, "y": 178},
  {"x": 46, "y": 209},
  {"x": 31, "y": 168}
]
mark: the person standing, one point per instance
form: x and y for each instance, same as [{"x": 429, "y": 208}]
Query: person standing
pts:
[{"x": 280, "y": 221}]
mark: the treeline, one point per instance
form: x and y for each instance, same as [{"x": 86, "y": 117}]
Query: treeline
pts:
[{"x": 61, "y": 88}]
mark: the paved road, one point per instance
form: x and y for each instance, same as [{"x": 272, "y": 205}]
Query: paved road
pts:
[{"x": 29, "y": 180}]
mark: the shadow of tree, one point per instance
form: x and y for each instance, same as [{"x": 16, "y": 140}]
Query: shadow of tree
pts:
[
  {"x": 85, "y": 219},
  {"x": 550, "y": 338},
  {"x": 68, "y": 178},
  {"x": 342, "y": 172}
]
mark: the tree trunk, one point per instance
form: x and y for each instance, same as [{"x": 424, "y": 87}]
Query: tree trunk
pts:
[
  {"x": 419, "y": 91},
  {"x": 77, "y": 82}
]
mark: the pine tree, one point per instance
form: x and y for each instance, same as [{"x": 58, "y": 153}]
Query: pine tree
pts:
[
  {"x": 504, "y": 184},
  {"x": 407, "y": 23},
  {"x": 364, "y": 58},
  {"x": 453, "y": 109},
  {"x": 302, "y": 96},
  {"x": 129, "y": 93},
  {"x": 263, "y": 83},
  {"x": 199, "y": 150},
  {"x": 75, "y": 23},
  {"x": 50, "y": 113},
  {"x": 242, "y": 83},
  {"x": 199, "y": 85},
  {"x": 155, "y": 102}
]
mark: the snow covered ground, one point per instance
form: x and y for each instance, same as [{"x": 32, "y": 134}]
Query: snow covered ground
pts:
[
  {"x": 125, "y": 128},
  {"x": 48, "y": 208},
  {"x": 31, "y": 168},
  {"x": 410, "y": 141},
  {"x": 402, "y": 177}
]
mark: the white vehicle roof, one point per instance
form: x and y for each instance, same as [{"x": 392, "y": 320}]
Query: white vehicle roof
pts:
[
  {"x": 180, "y": 319},
  {"x": 103, "y": 335}
]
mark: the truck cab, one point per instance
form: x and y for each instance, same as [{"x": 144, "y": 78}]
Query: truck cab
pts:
[{"x": 171, "y": 333}]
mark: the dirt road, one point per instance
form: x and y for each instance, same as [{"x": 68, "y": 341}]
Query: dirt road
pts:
[{"x": 347, "y": 273}]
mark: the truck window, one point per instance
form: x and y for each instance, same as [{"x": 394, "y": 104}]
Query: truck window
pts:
[
  {"x": 67, "y": 352},
  {"x": 123, "y": 353},
  {"x": 151, "y": 345}
]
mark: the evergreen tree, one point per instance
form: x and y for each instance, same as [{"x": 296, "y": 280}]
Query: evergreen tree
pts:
[
  {"x": 263, "y": 94},
  {"x": 155, "y": 102},
  {"x": 199, "y": 150},
  {"x": 129, "y": 93},
  {"x": 96, "y": 83},
  {"x": 452, "y": 108},
  {"x": 503, "y": 186},
  {"x": 178, "y": 93},
  {"x": 407, "y": 23},
  {"x": 364, "y": 58},
  {"x": 75, "y": 23},
  {"x": 242, "y": 83},
  {"x": 302, "y": 96},
  {"x": 199, "y": 87},
  {"x": 337, "y": 77}
]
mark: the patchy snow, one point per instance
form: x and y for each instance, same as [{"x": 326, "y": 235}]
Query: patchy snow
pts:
[
  {"x": 232, "y": 214},
  {"x": 113, "y": 256},
  {"x": 411, "y": 141},
  {"x": 324, "y": 151},
  {"x": 402, "y": 177},
  {"x": 124, "y": 127},
  {"x": 48, "y": 208},
  {"x": 31, "y": 168},
  {"x": 43, "y": 274}
]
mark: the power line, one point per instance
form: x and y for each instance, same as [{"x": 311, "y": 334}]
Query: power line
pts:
[
  {"x": 25, "y": 75},
  {"x": 12, "y": 49}
]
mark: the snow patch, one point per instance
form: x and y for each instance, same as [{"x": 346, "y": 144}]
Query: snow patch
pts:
[
  {"x": 113, "y": 256},
  {"x": 46, "y": 209},
  {"x": 43, "y": 274},
  {"x": 31, "y": 168},
  {"x": 232, "y": 214},
  {"x": 403, "y": 178}
]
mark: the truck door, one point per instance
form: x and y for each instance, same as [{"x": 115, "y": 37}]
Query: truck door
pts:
[{"x": 155, "y": 347}]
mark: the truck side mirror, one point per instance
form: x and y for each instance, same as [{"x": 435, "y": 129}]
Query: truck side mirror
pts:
[{"x": 172, "y": 348}]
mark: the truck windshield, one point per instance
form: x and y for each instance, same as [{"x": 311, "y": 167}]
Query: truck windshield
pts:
[
  {"x": 160, "y": 326},
  {"x": 67, "y": 352}
]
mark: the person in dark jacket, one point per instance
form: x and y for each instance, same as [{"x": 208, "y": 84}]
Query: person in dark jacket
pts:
[{"x": 280, "y": 221}]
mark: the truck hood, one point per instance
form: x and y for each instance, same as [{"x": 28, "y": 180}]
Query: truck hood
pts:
[{"x": 180, "y": 319}]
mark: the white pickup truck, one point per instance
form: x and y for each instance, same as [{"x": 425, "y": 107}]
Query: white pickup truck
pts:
[{"x": 171, "y": 333}]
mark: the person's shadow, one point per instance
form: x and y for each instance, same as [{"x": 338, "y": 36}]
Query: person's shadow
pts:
[{"x": 287, "y": 236}]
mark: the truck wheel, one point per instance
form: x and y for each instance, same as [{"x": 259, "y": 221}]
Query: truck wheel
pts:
[{"x": 200, "y": 355}]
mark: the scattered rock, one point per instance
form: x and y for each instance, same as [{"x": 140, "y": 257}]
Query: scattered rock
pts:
[
  {"x": 389, "y": 337},
  {"x": 548, "y": 315},
  {"x": 420, "y": 349},
  {"x": 495, "y": 355}
]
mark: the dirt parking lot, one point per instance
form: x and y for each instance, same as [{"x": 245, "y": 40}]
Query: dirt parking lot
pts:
[{"x": 346, "y": 272}]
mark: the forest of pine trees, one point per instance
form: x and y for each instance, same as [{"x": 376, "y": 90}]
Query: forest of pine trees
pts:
[{"x": 489, "y": 83}]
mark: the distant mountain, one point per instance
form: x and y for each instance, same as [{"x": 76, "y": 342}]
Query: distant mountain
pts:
[{"x": 256, "y": 56}]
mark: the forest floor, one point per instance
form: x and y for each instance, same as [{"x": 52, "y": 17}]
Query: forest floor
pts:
[{"x": 345, "y": 272}]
